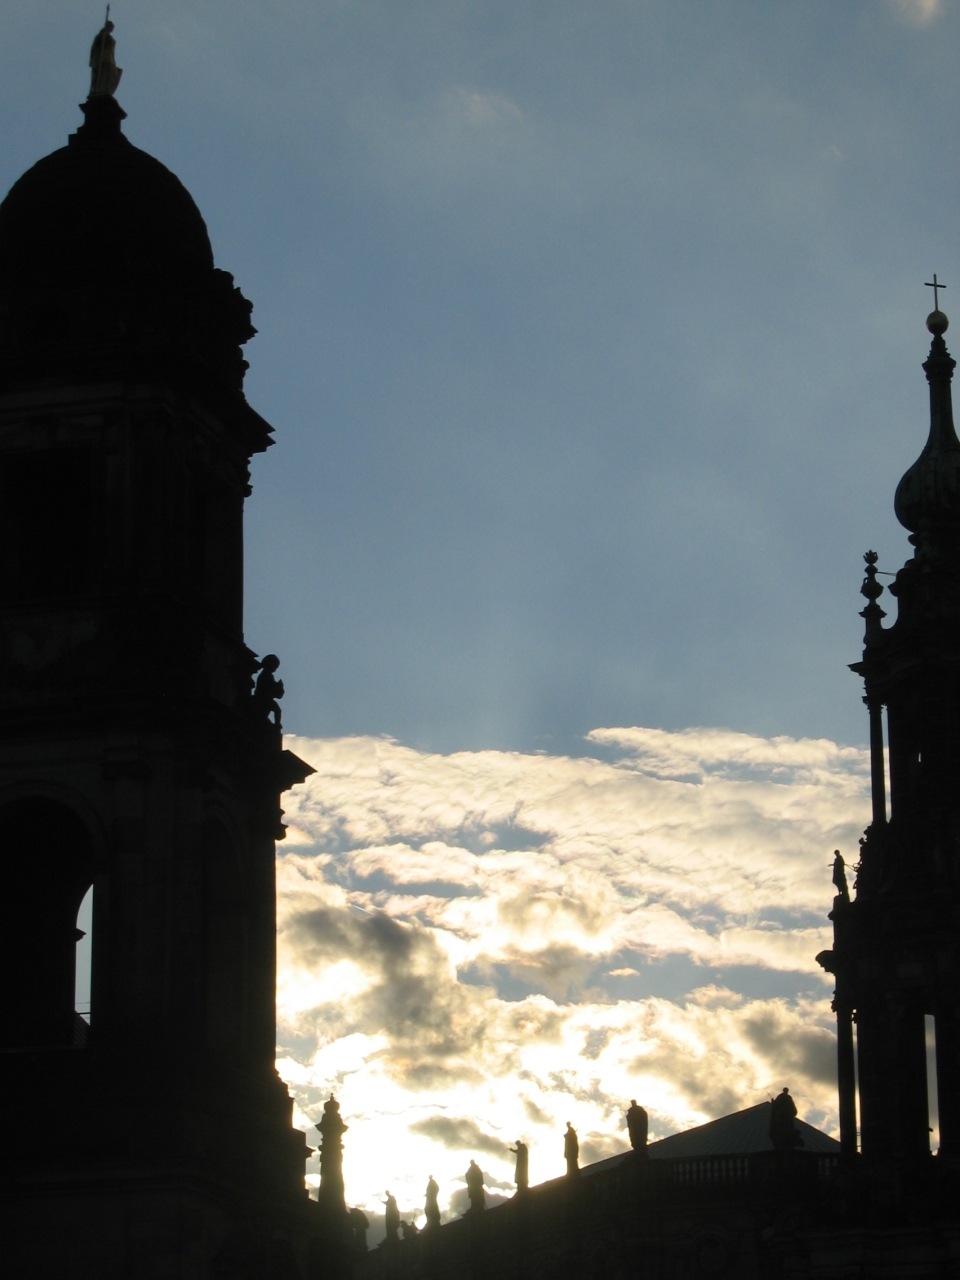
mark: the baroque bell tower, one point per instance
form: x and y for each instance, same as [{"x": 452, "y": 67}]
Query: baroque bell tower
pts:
[
  {"x": 896, "y": 953},
  {"x": 141, "y": 754}
]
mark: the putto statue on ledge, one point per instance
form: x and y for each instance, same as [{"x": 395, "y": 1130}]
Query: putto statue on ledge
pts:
[
  {"x": 268, "y": 691},
  {"x": 104, "y": 72}
]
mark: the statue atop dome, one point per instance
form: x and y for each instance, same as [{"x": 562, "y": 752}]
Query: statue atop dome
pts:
[{"x": 104, "y": 72}]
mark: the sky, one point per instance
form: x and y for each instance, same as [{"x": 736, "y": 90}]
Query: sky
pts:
[
  {"x": 591, "y": 334},
  {"x": 480, "y": 946}
]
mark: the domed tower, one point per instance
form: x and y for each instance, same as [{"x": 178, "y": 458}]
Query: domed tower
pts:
[
  {"x": 140, "y": 755},
  {"x": 896, "y": 953}
]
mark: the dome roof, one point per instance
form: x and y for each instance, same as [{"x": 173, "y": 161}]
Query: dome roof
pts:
[
  {"x": 928, "y": 495},
  {"x": 106, "y": 272},
  {"x": 99, "y": 209}
]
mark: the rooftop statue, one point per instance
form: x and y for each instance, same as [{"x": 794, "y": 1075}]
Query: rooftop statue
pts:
[
  {"x": 522, "y": 1174},
  {"x": 783, "y": 1132},
  {"x": 391, "y": 1219},
  {"x": 637, "y": 1126},
  {"x": 571, "y": 1149},
  {"x": 840, "y": 876},
  {"x": 104, "y": 72},
  {"x": 474, "y": 1180},
  {"x": 431, "y": 1209}
]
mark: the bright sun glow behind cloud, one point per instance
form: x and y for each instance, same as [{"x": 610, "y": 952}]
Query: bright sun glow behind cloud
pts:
[{"x": 481, "y": 946}]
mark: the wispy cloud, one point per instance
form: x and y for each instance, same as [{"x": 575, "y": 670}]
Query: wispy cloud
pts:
[
  {"x": 483, "y": 945},
  {"x": 918, "y": 12}
]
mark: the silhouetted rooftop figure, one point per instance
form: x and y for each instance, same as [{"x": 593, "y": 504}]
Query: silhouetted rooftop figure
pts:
[
  {"x": 104, "y": 72},
  {"x": 783, "y": 1132},
  {"x": 840, "y": 876},
  {"x": 637, "y": 1127},
  {"x": 391, "y": 1219},
  {"x": 331, "y": 1129},
  {"x": 359, "y": 1222},
  {"x": 268, "y": 691},
  {"x": 521, "y": 1174},
  {"x": 474, "y": 1180},
  {"x": 409, "y": 1230},
  {"x": 571, "y": 1149},
  {"x": 431, "y": 1209}
]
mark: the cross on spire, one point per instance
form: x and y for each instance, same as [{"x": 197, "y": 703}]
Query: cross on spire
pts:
[{"x": 935, "y": 285}]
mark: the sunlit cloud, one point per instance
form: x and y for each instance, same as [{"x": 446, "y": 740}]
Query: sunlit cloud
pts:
[{"x": 481, "y": 946}]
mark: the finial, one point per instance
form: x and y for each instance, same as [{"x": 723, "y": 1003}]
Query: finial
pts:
[
  {"x": 104, "y": 72},
  {"x": 937, "y": 322}
]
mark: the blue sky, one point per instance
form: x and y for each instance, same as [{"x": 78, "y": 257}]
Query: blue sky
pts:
[
  {"x": 592, "y": 337},
  {"x": 591, "y": 334}
]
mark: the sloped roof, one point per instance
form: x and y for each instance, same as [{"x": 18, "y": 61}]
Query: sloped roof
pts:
[{"x": 742, "y": 1133}]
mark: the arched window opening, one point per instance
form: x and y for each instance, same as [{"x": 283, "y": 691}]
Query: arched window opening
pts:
[
  {"x": 47, "y": 858},
  {"x": 226, "y": 939},
  {"x": 84, "y": 957},
  {"x": 933, "y": 1102}
]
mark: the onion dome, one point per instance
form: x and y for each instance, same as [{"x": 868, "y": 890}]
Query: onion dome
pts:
[
  {"x": 106, "y": 271},
  {"x": 928, "y": 496}
]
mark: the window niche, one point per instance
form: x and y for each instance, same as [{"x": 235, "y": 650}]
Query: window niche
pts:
[
  {"x": 226, "y": 928},
  {"x": 47, "y": 858},
  {"x": 46, "y": 521}
]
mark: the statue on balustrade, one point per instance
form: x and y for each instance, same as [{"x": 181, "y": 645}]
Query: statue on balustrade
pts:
[
  {"x": 474, "y": 1181},
  {"x": 571, "y": 1149},
  {"x": 392, "y": 1219},
  {"x": 431, "y": 1209},
  {"x": 783, "y": 1132},
  {"x": 637, "y": 1127},
  {"x": 522, "y": 1173}
]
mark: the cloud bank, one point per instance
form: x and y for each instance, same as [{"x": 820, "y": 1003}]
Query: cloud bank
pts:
[{"x": 480, "y": 946}]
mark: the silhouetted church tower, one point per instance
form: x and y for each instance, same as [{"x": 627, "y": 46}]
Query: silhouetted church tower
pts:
[
  {"x": 896, "y": 953},
  {"x": 135, "y": 756}
]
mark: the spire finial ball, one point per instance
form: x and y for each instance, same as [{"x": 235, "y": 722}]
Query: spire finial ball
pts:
[{"x": 937, "y": 323}]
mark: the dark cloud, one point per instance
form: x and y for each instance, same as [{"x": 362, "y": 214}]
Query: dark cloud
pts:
[
  {"x": 461, "y": 1135},
  {"x": 600, "y": 1146},
  {"x": 535, "y": 1113},
  {"x": 792, "y": 1049},
  {"x": 708, "y": 1083},
  {"x": 560, "y": 971},
  {"x": 433, "y": 1023},
  {"x": 460, "y": 1200}
]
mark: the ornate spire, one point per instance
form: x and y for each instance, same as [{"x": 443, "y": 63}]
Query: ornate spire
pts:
[{"x": 928, "y": 496}]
